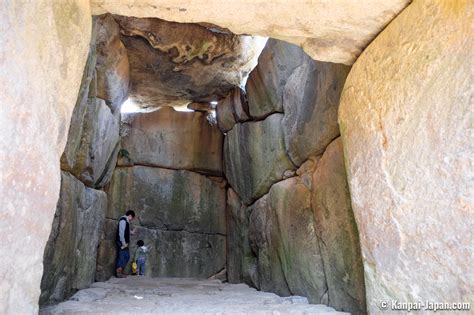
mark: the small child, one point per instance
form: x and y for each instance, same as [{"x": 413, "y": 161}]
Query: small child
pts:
[{"x": 140, "y": 257}]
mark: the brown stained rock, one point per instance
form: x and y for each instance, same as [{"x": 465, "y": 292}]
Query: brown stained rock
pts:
[
  {"x": 311, "y": 101},
  {"x": 172, "y": 139},
  {"x": 255, "y": 157},
  {"x": 172, "y": 64},
  {"x": 113, "y": 69},
  {"x": 405, "y": 124},
  {"x": 70, "y": 254},
  {"x": 282, "y": 234},
  {"x": 266, "y": 83},
  {"x": 241, "y": 261},
  {"x": 334, "y": 31},
  {"x": 200, "y": 107},
  {"x": 337, "y": 230},
  {"x": 232, "y": 109}
]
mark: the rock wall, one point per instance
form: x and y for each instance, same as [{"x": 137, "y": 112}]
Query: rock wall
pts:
[
  {"x": 170, "y": 139},
  {"x": 87, "y": 163},
  {"x": 290, "y": 224},
  {"x": 405, "y": 118},
  {"x": 166, "y": 180},
  {"x": 70, "y": 255},
  {"x": 44, "y": 48}
]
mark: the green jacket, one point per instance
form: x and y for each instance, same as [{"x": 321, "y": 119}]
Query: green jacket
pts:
[{"x": 141, "y": 252}]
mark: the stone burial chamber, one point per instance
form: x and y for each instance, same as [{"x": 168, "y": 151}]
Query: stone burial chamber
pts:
[{"x": 336, "y": 164}]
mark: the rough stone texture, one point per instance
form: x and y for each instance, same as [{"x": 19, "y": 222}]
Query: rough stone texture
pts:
[
  {"x": 241, "y": 261},
  {"x": 143, "y": 295},
  {"x": 255, "y": 157},
  {"x": 337, "y": 230},
  {"x": 267, "y": 81},
  {"x": 173, "y": 64},
  {"x": 98, "y": 144},
  {"x": 232, "y": 109},
  {"x": 172, "y": 253},
  {"x": 328, "y": 31},
  {"x": 172, "y": 139},
  {"x": 180, "y": 213},
  {"x": 283, "y": 236},
  {"x": 310, "y": 102},
  {"x": 70, "y": 254},
  {"x": 405, "y": 119},
  {"x": 43, "y": 49},
  {"x": 113, "y": 69}
]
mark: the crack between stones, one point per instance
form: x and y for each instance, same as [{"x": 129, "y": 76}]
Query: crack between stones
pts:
[{"x": 172, "y": 169}]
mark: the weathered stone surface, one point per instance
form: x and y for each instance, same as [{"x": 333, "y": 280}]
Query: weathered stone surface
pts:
[
  {"x": 172, "y": 139},
  {"x": 164, "y": 296},
  {"x": 337, "y": 230},
  {"x": 310, "y": 102},
  {"x": 168, "y": 199},
  {"x": 283, "y": 236},
  {"x": 43, "y": 49},
  {"x": 328, "y": 31},
  {"x": 405, "y": 119},
  {"x": 113, "y": 69},
  {"x": 68, "y": 159},
  {"x": 172, "y": 64},
  {"x": 98, "y": 145},
  {"x": 267, "y": 81},
  {"x": 241, "y": 261},
  {"x": 172, "y": 253},
  {"x": 70, "y": 254},
  {"x": 255, "y": 157},
  {"x": 232, "y": 109}
]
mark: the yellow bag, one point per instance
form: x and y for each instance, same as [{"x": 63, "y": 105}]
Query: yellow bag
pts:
[{"x": 134, "y": 268}]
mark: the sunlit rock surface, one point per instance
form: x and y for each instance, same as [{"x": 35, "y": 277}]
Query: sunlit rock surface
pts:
[
  {"x": 328, "y": 31},
  {"x": 406, "y": 125},
  {"x": 43, "y": 49}
]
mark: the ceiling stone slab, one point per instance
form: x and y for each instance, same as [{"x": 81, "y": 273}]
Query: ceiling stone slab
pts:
[
  {"x": 333, "y": 31},
  {"x": 174, "y": 64}
]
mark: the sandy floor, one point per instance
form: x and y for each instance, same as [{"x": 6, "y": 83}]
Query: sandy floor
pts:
[{"x": 140, "y": 295}]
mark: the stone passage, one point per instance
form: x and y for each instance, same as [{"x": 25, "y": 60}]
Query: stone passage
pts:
[{"x": 180, "y": 296}]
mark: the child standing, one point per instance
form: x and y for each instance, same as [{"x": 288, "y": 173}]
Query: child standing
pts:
[{"x": 140, "y": 257}]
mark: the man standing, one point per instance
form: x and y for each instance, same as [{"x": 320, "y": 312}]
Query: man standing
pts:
[{"x": 122, "y": 242}]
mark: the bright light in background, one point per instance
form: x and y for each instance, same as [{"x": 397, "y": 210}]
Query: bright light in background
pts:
[
  {"x": 182, "y": 108},
  {"x": 129, "y": 106}
]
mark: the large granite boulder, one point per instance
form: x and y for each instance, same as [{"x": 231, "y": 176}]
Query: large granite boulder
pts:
[
  {"x": 98, "y": 144},
  {"x": 232, "y": 109},
  {"x": 406, "y": 121},
  {"x": 43, "y": 51},
  {"x": 337, "y": 230},
  {"x": 241, "y": 261},
  {"x": 180, "y": 213},
  {"x": 267, "y": 81},
  {"x": 171, "y": 139},
  {"x": 172, "y": 63},
  {"x": 113, "y": 73},
  {"x": 70, "y": 254},
  {"x": 255, "y": 157},
  {"x": 283, "y": 236},
  {"x": 172, "y": 253},
  {"x": 310, "y": 102},
  {"x": 335, "y": 31},
  {"x": 168, "y": 199}
]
